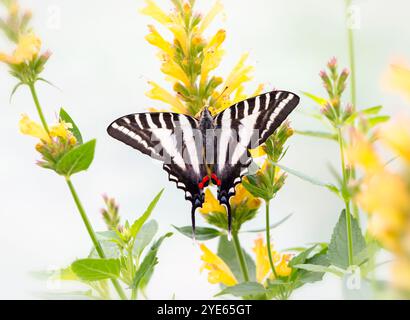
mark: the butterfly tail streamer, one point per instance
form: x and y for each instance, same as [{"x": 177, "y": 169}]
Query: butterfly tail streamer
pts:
[
  {"x": 193, "y": 222},
  {"x": 229, "y": 212}
]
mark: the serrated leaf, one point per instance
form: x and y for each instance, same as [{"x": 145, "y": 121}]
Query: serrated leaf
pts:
[
  {"x": 96, "y": 269},
  {"x": 244, "y": 289},
  {"x": 338, "y": 246},
  {"x": 144, "y": 237},
  {"x": 77, "y": 159},
  {"x": 226, "y": 251},
  {"x": 74, "y": 130},
  {"x": 201, "y": 233},
  {"x": 136, "y": 226}
]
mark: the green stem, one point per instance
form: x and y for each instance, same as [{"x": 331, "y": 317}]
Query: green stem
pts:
[
  {"x": 132, "y": 271},
  {"x": 92, "y": 234},
  {"x": 353, "y": 98},
  {"x": 352, "y": 62},
  {"x": 346, "y": 200},
  {"x": 38, "y": 107},
  {"x": 240, "y": 256},
  {"x": 272, "y": 265}
]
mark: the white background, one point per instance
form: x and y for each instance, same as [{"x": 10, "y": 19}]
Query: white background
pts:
[{"x": 102, "y": 63}]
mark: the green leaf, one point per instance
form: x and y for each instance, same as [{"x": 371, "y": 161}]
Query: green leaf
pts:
[
  {"x": 319, "y": 269},
  {"x": 244, "y": 289},
  {"x": 146, "y": 268},
  {"x": 96, "y": 269},
  {"x": 318, "y": 100},
  {"x": 201, "y": 233},
  {"x": 226, "y": 251},
  {"x": 372, "y": 110},
  {"x": 108, "y": 241},
  {"x": 304, "y": 177},
  {"x": 338, "y": 247},
  {"x": 144, "y": 237},
  {"x": 301, "y": 257},
  {"x": 18, "y": 85},
  {"x": 272, "y": 226},
  {"x": 77, "y": 159},
  {"x": 377, "y": 120},
  {"x": 74, "y": 130},
  {"x": 136, "y": 226},
  {"x": 317, "y": 134}
]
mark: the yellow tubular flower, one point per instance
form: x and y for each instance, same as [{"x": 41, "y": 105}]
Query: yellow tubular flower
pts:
[
  {"x": 262, "y": 263},
  {"x": 263, "y": 268},
  {"x": 206, "y": 21},
  {"x": 181, "y": 36},
  {"x": 28, "y": 47},
  {"x": 212, "y": 55},
  {"x": 396, "y": 135},
  {"x": 172, "y": 69},
  {"x": 34, "y": 129},
  {"x": 244, "y": 198},
  {"x": 258, "y": 152},
  {"x": 158, "y": 93},
  {"x": 283, "y": 269},
  {"x": 219, "y": 272},
  {"x": 157, "y": 40},
  {"x": 62, "y": 130},
  {"x": 361, "y": 152},
  {"x": 156, "y": 12},
  {"x": 211, "y": 204}
]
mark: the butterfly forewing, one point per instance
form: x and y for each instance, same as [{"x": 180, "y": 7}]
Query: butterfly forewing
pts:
[
  {"x": 247, "y": 125},
  {"x": 171, "y": 138}
]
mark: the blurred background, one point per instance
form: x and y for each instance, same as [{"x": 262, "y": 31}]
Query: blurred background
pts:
[{"x": 102, "y": 63}]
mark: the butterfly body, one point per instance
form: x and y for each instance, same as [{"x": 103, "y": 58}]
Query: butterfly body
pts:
[{"x": 209, "y": 149}]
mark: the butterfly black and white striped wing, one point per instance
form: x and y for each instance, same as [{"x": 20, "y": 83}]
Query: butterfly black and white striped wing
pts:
[
  {"x": 243, "y": 126},
  {"x": 171, "y": 138}
]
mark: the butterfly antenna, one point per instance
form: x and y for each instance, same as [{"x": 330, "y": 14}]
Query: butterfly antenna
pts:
[
  {"x": 222, "y": 93},
  {"x": 228, "y": 209}
]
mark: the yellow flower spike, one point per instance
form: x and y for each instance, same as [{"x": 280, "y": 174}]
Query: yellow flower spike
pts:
[
  {"x": 172, "y": 69},
  {"x": 157, "y": 40},
  {"x": 159, "y": 93},
  {"x": 156, "y": 12},
  {"x": 219, "y": 271},
  {"x": 211, "y": 204},
  {"x": 34, "y": 129},
  {"x": 362, "y": 152},
  {"x": 396, "y": 135},
  {"x": 207, "y": 20},
  {"x": 28, "y": 47}
]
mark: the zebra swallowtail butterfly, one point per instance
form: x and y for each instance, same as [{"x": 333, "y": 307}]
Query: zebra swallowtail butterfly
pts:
[{"x": 207, "y": 149}]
